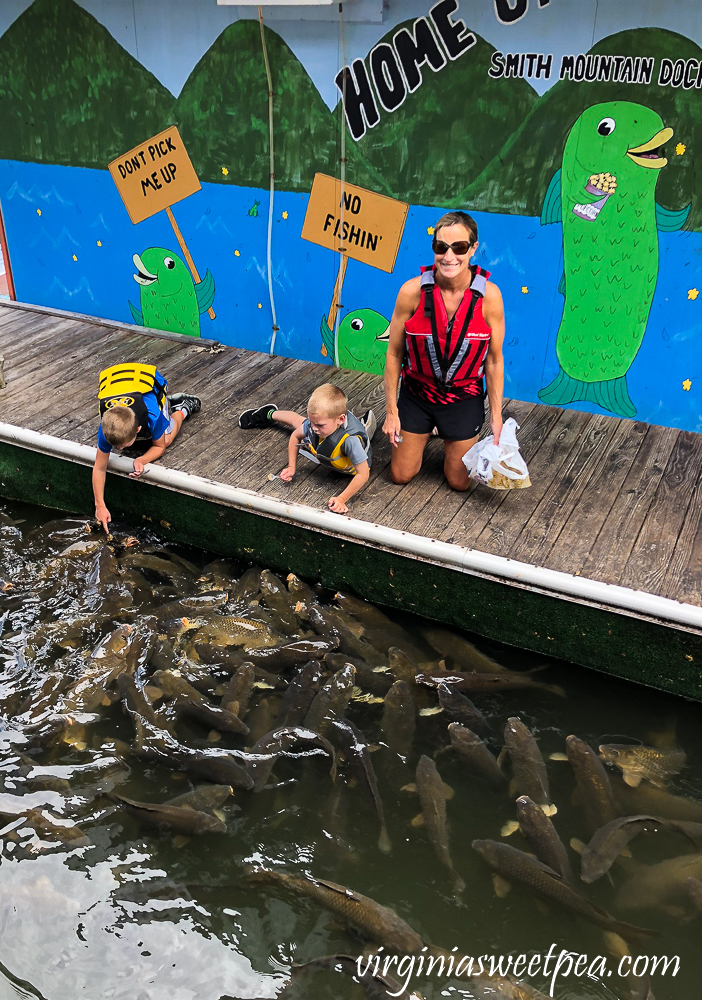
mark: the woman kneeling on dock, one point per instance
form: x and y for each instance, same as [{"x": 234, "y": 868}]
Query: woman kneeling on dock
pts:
[
  {"x": 134, "y": 406},
  {"x": 446, "y": 331}
]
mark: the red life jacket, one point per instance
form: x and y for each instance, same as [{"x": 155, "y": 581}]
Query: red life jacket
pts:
[{"x": 443, "y": 357}]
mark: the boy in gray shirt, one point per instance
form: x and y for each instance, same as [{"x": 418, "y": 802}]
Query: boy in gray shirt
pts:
[{"x": 331, "y": 436}]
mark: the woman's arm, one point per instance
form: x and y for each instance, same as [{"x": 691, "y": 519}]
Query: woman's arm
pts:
[
  {"x": 405, "y": 307},
  {"x": 494, "y": 313}
]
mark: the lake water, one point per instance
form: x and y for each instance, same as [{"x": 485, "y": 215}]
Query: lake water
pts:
[{"x": 135, "y": 912}]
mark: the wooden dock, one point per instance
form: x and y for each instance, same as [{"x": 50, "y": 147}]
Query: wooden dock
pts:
[{"x": 612, "y": 500}]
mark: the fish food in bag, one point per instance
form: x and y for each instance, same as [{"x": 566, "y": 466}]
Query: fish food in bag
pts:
[{"x": 498, "y": 466}]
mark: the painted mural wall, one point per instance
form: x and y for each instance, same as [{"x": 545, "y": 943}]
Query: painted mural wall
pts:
[{"x": 135, "y": 177}]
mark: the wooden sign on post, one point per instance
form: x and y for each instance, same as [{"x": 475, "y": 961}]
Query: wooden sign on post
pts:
[
  {"x": 362, "y": 224},
  {"x": 355, "y": 223},
  {"x": 152, "y": 177}
]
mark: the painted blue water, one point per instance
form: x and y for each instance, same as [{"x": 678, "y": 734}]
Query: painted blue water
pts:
[{"x": 71, "y": 244}]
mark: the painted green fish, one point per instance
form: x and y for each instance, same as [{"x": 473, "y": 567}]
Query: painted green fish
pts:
[
  {"x": 604, "y": 195},
  {"x": 362, "y": 341},
  {"x": 169, "y": 298},
  {"x": 254, "y": 209}
]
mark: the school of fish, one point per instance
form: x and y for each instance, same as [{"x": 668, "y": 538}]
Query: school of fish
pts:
[{"x": 239, "y": 681}]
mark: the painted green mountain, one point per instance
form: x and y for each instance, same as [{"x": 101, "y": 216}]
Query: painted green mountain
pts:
[
  {"x": 448, "y": 130},
  {"x": 69, "y": 93},
  {"x": 517, "y": 178},
  {"x": 222, "y": 112}
]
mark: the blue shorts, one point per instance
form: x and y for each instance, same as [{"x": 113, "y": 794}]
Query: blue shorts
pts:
[{"x": 459, "y": 421}]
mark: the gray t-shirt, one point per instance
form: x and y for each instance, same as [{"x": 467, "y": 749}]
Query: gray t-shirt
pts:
[{"x": 352, "y": 447}]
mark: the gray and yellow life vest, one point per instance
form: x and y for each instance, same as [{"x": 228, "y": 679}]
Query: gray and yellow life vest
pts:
[
  {"x": 327, "y": 451},
  {"x": 126, "y": 385}
]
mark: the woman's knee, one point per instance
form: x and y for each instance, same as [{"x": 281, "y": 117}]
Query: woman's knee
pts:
[
  {"x": 457, "y": 478},
  {"x": 402, "y": 476},
  {"x": 458, "y": 483}
]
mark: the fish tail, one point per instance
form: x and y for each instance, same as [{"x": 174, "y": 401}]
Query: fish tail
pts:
[
  {"x": 563, "y": 389},
  {"x": 611, "y": 394},
  {"x": 327, "y": 335}
]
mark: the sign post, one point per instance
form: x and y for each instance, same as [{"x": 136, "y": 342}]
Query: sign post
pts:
[
  {"x": 154, "y": 176},
  {"x": 354, "y": 223}
]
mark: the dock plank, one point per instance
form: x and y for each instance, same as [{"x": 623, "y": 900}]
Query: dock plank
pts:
[
  {"x": 34, "y": 389},
  {"x": 687, "y": 584},
  {"x": 506, "y": 523},
  {"x": 684, "y": 576},
  {"x": 618, "y": 534},
  {"x": 12, "y": 320},
  {"x": 541, "y": 531},
  {"x": 595, "y": 502},
  {"x": 22, "y": 357},
  {"x": 471, "y": 521},
  {"x": 650, "y": 557}
]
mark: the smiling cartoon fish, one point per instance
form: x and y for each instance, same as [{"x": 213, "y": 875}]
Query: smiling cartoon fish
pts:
[
  {"x": 604, "y": 195},
  {"x": 362, "y": 341},
  {"x": 169, "y": 298}
]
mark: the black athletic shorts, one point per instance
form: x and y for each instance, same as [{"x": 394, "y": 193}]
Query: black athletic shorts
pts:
[{"x": 454, "y": 421}]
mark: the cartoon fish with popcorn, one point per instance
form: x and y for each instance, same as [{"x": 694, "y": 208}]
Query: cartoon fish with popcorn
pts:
[{"x": 605, "y": 197}]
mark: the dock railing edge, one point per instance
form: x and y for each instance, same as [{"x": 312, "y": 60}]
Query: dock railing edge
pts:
[
  {"x": 445, "y": 554},
  {"x": 112, "y": 324}
]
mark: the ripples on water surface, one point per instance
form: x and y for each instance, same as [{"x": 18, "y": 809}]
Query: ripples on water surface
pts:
[{"x": 96, "y": 903}]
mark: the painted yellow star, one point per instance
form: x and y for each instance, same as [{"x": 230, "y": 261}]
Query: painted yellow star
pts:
[
  {"x": 285, "y": 215},
  {"x": 225, "y": 171},
  {"x": 260, "y": 305},
  {"x": 525, "y": 290},
  {"x": 687, "y": 385},
  {"x": 430, "y": 230},
  {"x": 237, "y": 254},
  {"x": 99, "y": 243},
  {"x": 693, "y": 293},
  {"x": 74, "y": 257},
  {"x": 38, "y": 211},
  {"x": 680, "y": 149}
]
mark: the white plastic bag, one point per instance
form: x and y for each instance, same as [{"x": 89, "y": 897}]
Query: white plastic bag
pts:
[{"x": 499, "y": 466}]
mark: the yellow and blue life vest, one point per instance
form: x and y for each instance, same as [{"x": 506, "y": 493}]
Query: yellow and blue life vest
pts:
[{"x": 126, "y": 385}]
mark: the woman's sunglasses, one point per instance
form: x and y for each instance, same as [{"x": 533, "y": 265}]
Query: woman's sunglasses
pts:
[{"x": 460, "y": 248}]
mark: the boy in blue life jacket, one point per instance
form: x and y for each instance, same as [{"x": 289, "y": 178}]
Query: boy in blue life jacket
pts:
[
  {"x": 331, "y": 436},
  {"x": 134, "y": 407}
]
